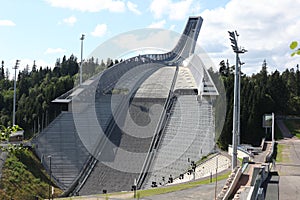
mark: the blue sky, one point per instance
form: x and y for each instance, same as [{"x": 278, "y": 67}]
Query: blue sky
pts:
[{"x": 44, "y": 30}]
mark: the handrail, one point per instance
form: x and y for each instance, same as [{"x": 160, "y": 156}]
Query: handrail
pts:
[
  {"x": 157, "y": 135},
  {"x": 177, "y": 59},
  {"x": 103, "y": 141},
  {"x": 160, "y": 58}
]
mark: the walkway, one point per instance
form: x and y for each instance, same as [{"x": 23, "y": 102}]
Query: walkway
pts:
[
  {"x": 289, "y": 170},
  {"x": 286, "y": 185},
  {"x": 206, "y": 169},
  {"x": 203, "y": 192}
]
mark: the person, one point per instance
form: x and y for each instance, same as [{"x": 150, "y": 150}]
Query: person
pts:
[{"x": 273, "y": 163}]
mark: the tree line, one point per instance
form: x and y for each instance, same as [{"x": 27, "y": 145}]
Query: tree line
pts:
[
  {"x": 36, "y": 88},
  {"x": 261, "y": 93}
]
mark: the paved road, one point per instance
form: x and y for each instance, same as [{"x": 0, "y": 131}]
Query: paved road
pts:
[
  {"x": 203, "y": 192},
  {"x": 289, "y": 170}
]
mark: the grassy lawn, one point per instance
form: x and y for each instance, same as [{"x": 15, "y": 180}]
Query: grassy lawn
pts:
[
  {"x": 155, "y": 191},
  {"x": 294, "y": 126},
  {"x": 23, "y": 177},
  {"x": 162, "y": 190},
  {"x": 281, "y": 155}
]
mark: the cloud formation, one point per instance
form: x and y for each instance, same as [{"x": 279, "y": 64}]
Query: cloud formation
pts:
[
  {"x": 159, "y": 24},
  {"x": 90, "y": 5},
  {"x": 266, "y": 30},
  {"x": 70, "y": 20},
  {"x": 100, "y": 30},
  {"x": 133, "y": 8},
  {"x": 5, "y": 22},
  {"x": 173, "y": 10}
]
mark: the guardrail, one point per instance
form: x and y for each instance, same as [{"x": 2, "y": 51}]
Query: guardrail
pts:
[
  {"x": 230, "y": 184},
  {"x": 270, "y": 154},
  {"x": 157, "y": 135},
  {"x": 256, "y": 190},
  {"x": 158, "y": 58},
  {"x": 103, "y": 140}
]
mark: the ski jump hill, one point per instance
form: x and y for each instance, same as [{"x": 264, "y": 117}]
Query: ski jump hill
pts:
[{"x": 138, "y": 122}]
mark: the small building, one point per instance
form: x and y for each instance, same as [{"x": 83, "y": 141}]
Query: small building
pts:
[{"x": 16, "y": 136}]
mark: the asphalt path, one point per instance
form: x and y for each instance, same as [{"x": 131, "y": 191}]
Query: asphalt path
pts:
[
  {"x": 289, "y": 168},
  {"x": 203, "y": 192}
]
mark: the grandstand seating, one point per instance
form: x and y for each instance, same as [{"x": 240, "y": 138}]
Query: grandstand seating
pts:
[
  {"x": 189, "y": 135},
  {"x": 129, "y": 126},
  {"x": 68, "y": 155},
  {"x": 216, "y": 163},
  {"x": 132, "y": 135}
]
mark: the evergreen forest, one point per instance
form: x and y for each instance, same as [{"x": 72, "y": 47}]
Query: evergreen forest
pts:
[{"x": 261, "y": 93}]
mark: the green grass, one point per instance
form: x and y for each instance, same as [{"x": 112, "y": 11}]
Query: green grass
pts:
[
  {"x": 279, "y": 156},
  {"x": 202, "y": 159},
  {"x": 241, "y": 160},
  {"x": 23, "y": 177},
  {"x": 162, "y": 190},
  {"x": 294, "y": 126}
]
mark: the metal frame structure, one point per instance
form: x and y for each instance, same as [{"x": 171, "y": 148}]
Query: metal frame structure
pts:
[
  {"x": 15, "y": 83},
  {"x": 236, "y": 102}
]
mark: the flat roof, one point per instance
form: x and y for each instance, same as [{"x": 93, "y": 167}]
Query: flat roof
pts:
[{"x": 68, "y": 98}]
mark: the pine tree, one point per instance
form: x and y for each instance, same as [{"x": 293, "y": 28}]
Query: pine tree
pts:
[{"x": 2, "y": 76}]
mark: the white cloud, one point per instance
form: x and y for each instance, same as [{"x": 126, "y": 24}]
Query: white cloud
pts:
[
  {"x": 159, "y": 24},
  {"x": 266, "y": 30},
  {"x": 172, "y": 27},
  {"x": 70, "y": 20},
  {"x": 147, "y": 38},
  {"x": 90, "y": 5},
  {"x": 133, "y": 7},
  {"x": 100, "y": 30},
  {"x": 174, "y": 10},
  {"x": 54, "y": 51},
  {"x": 5, "y": 22}
]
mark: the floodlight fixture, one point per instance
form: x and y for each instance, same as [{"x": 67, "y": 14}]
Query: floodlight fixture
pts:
[
  {"x": 15, "y": 84},
  {"x": 233, "y": 35},
  {"x": 80, "y": 74}
]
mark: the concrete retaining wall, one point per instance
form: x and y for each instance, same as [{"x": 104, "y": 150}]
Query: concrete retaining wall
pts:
[{"x": 230, "y": 184}]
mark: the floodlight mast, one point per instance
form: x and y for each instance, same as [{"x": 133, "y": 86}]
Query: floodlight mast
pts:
[
  {"x": 15, "y": 83},
  {"x": 236, "y": 102},
  {"x": 80, "y": 75},
  {"x": 239, "y": 104}
]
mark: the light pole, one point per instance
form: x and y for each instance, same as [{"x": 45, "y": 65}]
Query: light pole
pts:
[
  {"x": 239, "y": 105},
  {"x": 134, "y": 188},
  {"x": 237, "y": 50},
  {"x": 216, "y": 185},
  {"x": 15, "y": 83},
  {"x": 50, "y": 177},
  {"x": 82, "y": 38}
]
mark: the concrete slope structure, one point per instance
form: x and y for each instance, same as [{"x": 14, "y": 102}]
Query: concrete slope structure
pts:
[
  {"x": 136, "y": 122},
  {"x": 68, "y": 155}
]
